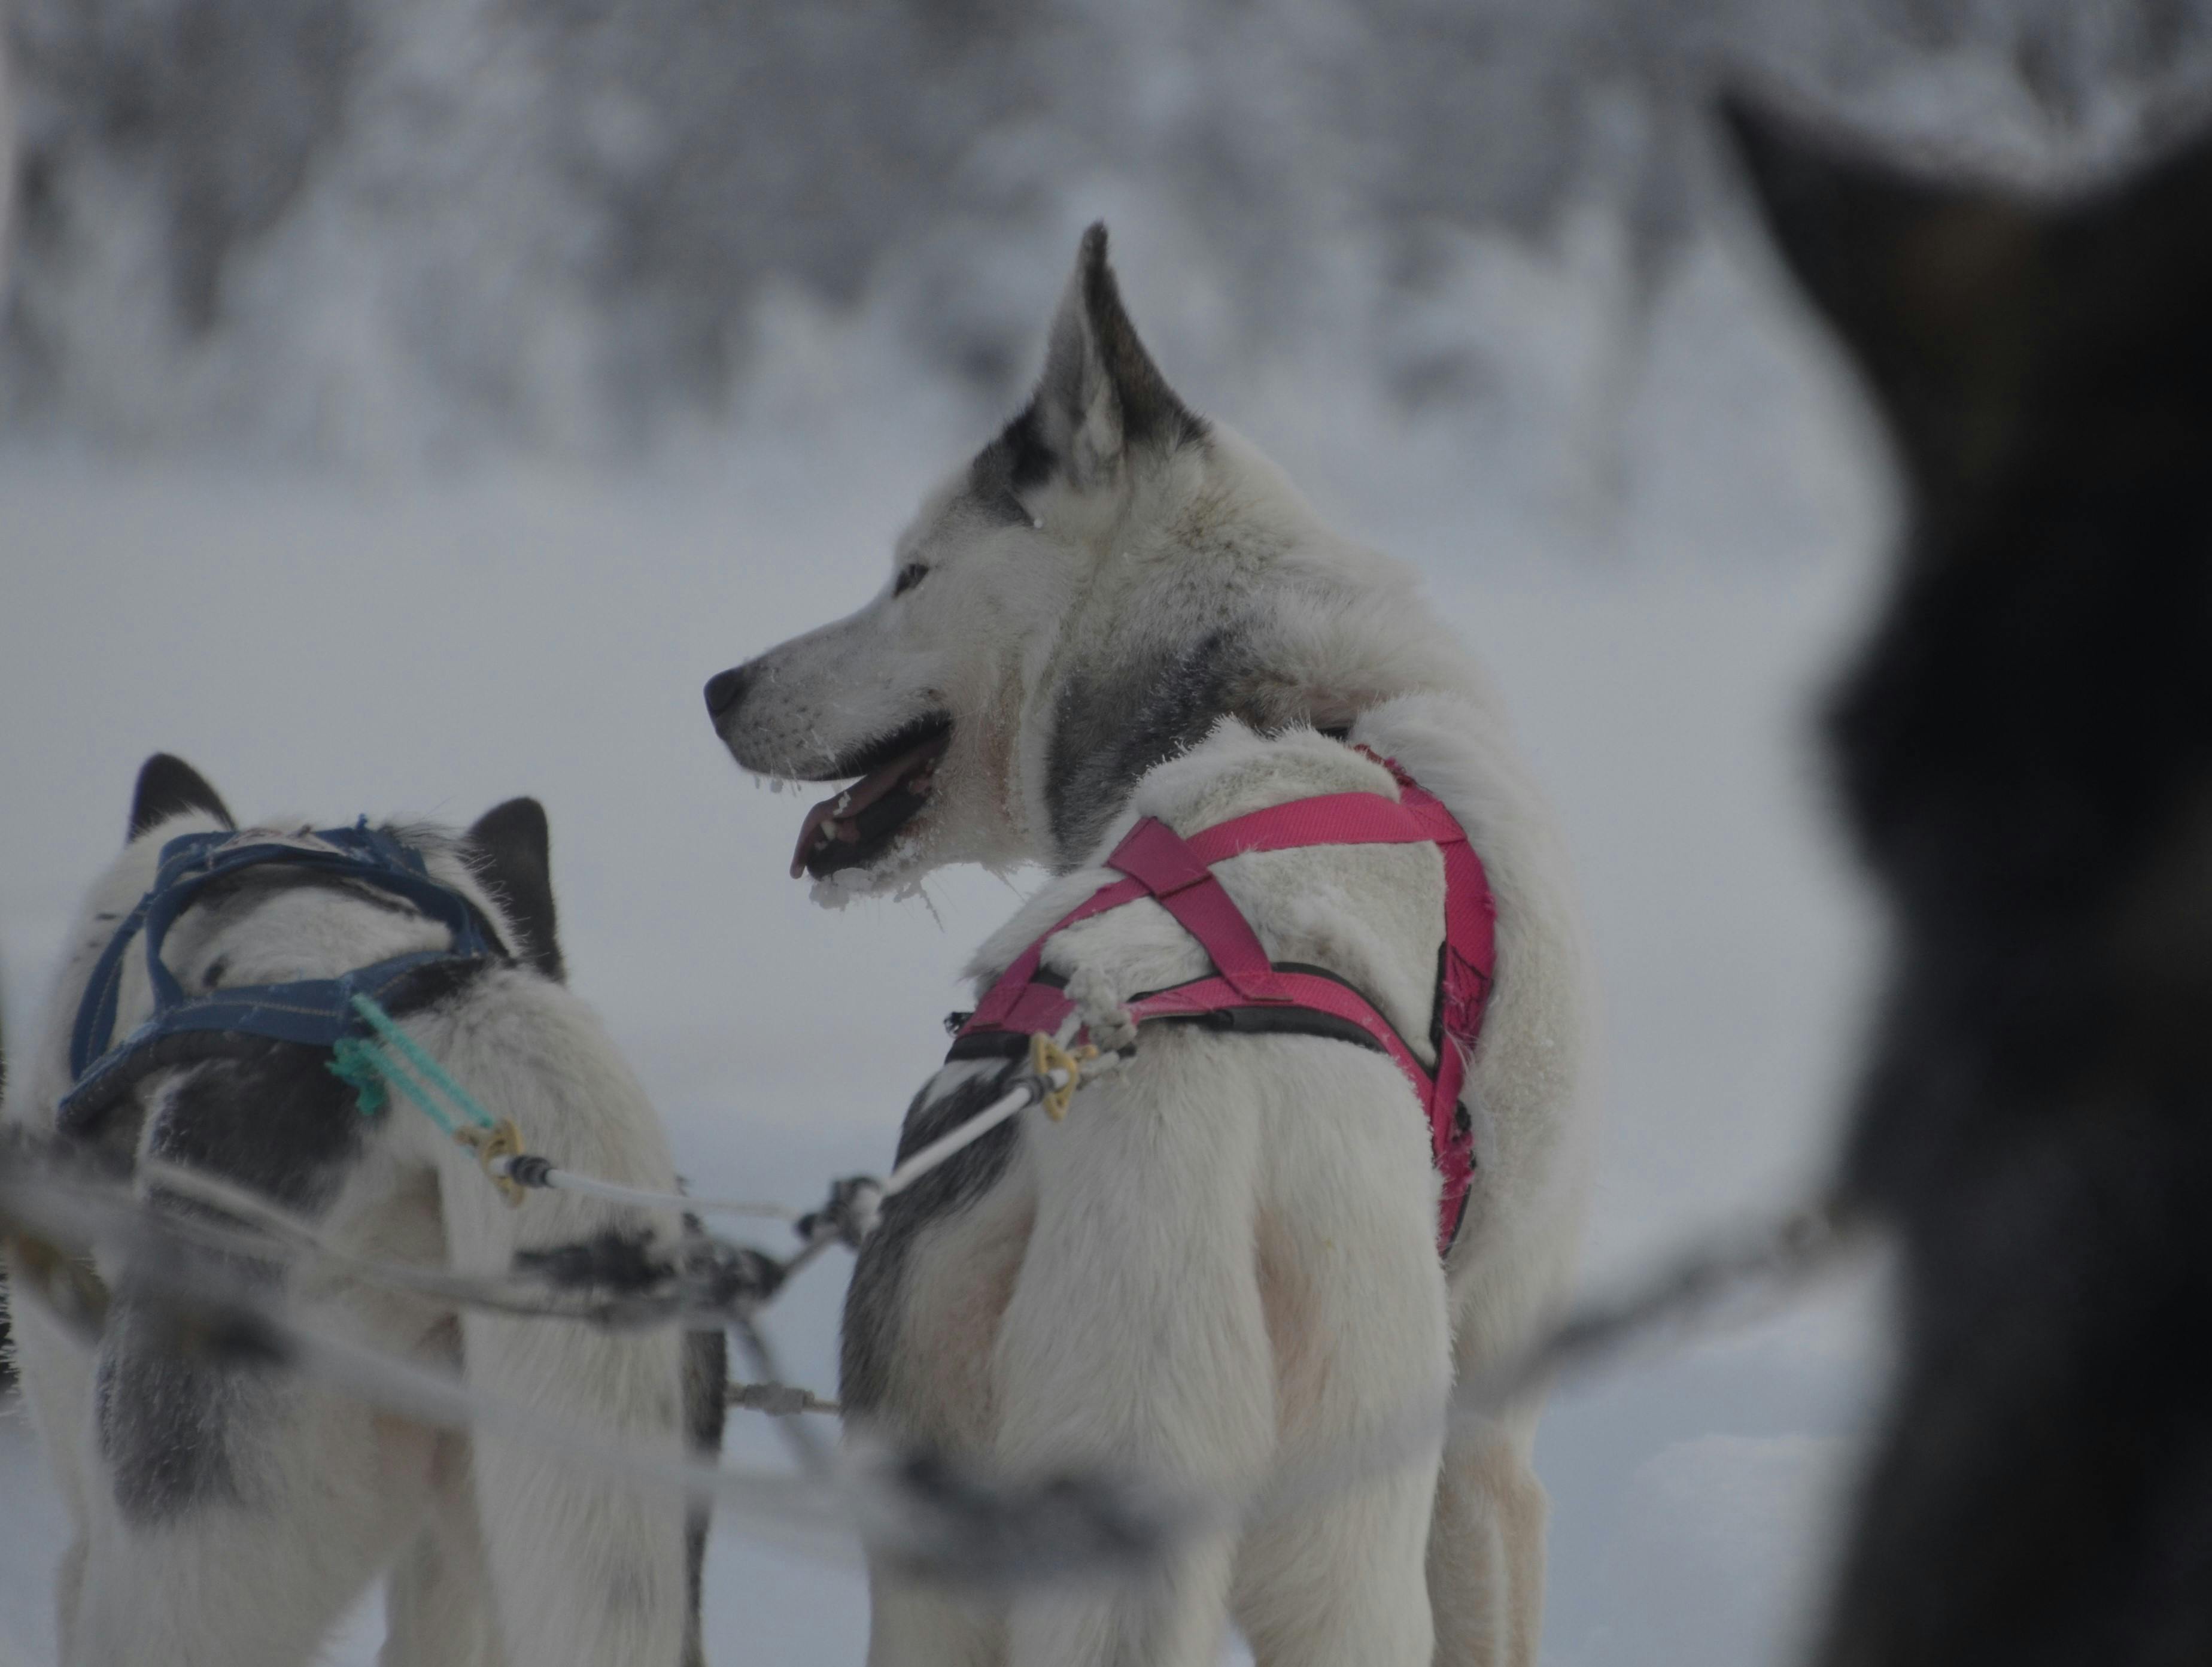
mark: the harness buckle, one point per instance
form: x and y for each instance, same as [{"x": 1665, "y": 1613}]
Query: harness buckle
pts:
[
  {"x": 1046, "y": 1056},
  {"x": 502, "y": 1141}
]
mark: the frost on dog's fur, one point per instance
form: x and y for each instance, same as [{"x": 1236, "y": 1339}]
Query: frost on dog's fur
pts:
[
  {"x": 226, "y": 1515},
  {"x": 1222, "y": 1264}
]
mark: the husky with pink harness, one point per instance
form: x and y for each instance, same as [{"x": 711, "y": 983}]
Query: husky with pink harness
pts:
[
  {"x": 1302, "y": 881},
  {"x": 1250, "y": 994}
]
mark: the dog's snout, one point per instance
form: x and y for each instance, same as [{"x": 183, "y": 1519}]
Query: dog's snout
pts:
[{"x": 725, "y": 690}]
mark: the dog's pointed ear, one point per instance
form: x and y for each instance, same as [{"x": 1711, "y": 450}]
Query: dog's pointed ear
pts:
[
  {"x": 1935, "y": 290},
  {"x": 1102, "y": 399},
  {"x": 512, "y": 850},
  {"x": 168, "y": 787}
]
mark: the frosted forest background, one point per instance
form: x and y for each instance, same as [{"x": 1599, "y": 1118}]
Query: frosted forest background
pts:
[{"x": 404, "y": 403}]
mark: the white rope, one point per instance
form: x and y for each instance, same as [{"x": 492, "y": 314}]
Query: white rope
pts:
[
  {"x": 298, "y": 1241},
  {"x": 914, "y": 1511},
  {"x": 780, "y": 1399},
  {"x": 948, "y": 1525},
  {"x": 1028, "y": 1090},
  {"x": 536, "y": 1173},
  {"x": 957, "y": 1139}
]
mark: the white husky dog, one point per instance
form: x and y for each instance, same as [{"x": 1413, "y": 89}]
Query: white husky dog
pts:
[
  {"x": 1224, "y": 1263},
  {"x": 227, "y": 1516}
]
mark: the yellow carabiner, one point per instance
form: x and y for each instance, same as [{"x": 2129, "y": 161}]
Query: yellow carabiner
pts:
[
  {"x": 504, "y": 1140},
  {"x": 1046, "y": 1056}
]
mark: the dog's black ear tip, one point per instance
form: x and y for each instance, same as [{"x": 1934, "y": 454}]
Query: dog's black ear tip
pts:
[
  {"x": 516, "y": 823},
  {"x": 1745, "y": 123},
  {"x": 1743, "y": 107},
  {"x": 1772, "y": 141},
  {"x": 1091, "y": 251},
  {"x": 512, "y": 844},
  {"x": 167, "y": 787}
]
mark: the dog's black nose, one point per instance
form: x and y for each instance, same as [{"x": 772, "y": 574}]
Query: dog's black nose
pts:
[{"x": 725, "y": 688}]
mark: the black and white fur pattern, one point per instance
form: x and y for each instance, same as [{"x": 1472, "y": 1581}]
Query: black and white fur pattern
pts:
[
  {"x": 227, "y": 1517},
  {"x": 1223, "y": 1262}
]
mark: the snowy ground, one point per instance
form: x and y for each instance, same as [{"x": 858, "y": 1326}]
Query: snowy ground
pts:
[{"x": 330, "y": 645}]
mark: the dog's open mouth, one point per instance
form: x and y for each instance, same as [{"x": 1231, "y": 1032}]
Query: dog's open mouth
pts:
[{"x": 856, "y": 826}]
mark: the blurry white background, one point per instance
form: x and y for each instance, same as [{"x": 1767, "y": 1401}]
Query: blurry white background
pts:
[{"x": 408, "y": 406}]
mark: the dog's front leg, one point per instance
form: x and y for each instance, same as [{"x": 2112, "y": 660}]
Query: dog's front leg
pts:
[
  {"x": 585, "y": 1570},
  {"x": 438, "y": 1609},
  {"x": 1136, "y": 1343}
]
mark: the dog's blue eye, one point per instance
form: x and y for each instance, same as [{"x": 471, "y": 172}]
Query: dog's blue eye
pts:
[{"x": 908, "y": 576}]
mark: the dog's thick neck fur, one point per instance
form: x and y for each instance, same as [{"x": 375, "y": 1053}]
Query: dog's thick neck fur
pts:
[{"x": 1216, "y": 593}]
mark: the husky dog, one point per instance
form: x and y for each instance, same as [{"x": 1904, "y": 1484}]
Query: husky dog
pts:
[
  {"x": 2025, "y": 753},
  {"x": 227, "y": 1517},
  {"x": 1223, "y": 1264}
]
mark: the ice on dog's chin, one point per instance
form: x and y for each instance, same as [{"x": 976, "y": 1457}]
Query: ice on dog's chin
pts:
[
  {"x": 841, "y": 818},
  {"x": 895, "y": 875}
]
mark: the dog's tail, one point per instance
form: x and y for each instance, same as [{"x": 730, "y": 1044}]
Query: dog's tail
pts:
[{"x": 585, "y": 1569}]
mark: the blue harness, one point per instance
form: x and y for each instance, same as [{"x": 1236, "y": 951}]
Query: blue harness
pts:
[{"x": 313, "y": 1012}]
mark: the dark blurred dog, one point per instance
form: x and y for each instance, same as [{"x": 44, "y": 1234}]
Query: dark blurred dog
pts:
[
  {"x": 6, "y": 1355},
  {"x": 2026, "y": 752}
]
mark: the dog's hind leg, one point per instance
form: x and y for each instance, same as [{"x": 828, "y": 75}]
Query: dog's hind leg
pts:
[
  {"x": 1136, "y": 1342},
  {"x": 705, "y": 1410},
  {"x": 1357, "y": 1313},
  {"x": 913, "y": 1625},
  {"x": 1487, "y": 1549},
  {"x": 55, "y": 1372},
  {"x": 244, "y": 1550},
  {"x": 438, "y": 1606}
]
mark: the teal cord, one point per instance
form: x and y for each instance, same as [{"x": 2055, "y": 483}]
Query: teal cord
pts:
[
  {"x": 370, "y": 1067},
  {"x": 361, "y": 1067}
]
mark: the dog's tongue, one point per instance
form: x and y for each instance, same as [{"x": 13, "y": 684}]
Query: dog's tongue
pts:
[{"x": 838, "y": 812}]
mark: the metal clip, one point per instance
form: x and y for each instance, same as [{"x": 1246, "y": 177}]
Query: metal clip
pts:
[
  {"x": 503, "y": 1139},
  {"x": 1046, "y": 1056}
]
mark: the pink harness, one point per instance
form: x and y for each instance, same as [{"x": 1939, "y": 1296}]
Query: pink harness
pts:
[{"x": 1248, "y": 993}]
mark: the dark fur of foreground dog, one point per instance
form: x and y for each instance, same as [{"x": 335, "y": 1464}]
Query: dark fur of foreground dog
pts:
[
  {"x": 2025, "y": 753},
  {"x": 7, "y": 1360}
]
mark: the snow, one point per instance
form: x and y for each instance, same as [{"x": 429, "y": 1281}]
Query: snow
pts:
[{"x": 1663, "y": 622}]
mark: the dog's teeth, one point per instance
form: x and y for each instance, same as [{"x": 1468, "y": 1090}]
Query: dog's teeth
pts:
[{"x": 844, "y": 803}]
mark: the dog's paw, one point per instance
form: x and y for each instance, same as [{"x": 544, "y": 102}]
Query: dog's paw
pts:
[{"x": 1098, "y": 1003}]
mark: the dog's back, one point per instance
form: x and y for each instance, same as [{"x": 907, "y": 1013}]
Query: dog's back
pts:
[{"x": 2027, "y": 757}]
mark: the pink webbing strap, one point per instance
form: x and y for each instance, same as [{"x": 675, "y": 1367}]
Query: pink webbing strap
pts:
[
  {"x": 1328, "y": 818},
  {"x": 1178, "y": 874},
  {"x": 1156, "y": 857},
  {"x": 1334, "y": 818},
  {"x": 999, "y": 1000}
]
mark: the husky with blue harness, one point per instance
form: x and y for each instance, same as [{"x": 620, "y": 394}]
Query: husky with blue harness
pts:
[{"x": 236, "y": 1007}]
